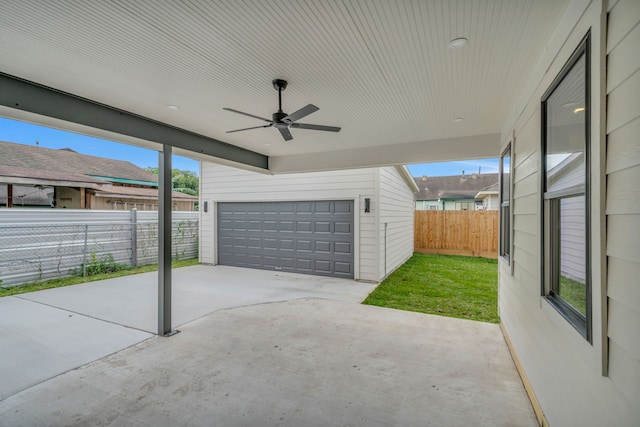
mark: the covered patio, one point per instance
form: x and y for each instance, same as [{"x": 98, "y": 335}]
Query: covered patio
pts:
[
  {"x": 404, "y": 82},
  {"x": 255, "y": 348}
]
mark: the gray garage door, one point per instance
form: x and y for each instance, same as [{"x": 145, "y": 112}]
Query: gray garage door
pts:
[{"x": 312, "y": 237}]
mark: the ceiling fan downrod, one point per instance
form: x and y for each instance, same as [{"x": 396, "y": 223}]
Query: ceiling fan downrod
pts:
[{"x": 279, "y": 85}]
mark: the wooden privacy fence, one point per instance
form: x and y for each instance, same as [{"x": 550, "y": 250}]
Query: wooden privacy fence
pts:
[{"x": 470, "y": 233}]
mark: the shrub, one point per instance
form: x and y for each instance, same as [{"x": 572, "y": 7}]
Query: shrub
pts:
[{"x": 100, "y": 266}]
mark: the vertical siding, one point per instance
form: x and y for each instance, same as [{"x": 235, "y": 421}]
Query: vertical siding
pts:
[
  {"x": 396, "y": 210},
  {"x": 222, "y": 183},
  {"x": 565, "y": 370},
  {"x": 623, "y": 199}
]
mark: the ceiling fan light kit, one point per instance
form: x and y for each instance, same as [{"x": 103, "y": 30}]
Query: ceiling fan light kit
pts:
[{"x": 283, "y": 121}]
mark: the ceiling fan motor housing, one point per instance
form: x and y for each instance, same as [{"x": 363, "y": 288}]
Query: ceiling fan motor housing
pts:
[
  {"x": 279, "y": 84},
  {"x": 277, "y": 120}
]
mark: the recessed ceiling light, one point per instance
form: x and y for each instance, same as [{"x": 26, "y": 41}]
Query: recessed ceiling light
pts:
[
  {"x": 173, "y": 107},
  {"x": 458, "y": 119},
  {"x": 458, "y": 43},
  {"x": 578, "y": 110}
]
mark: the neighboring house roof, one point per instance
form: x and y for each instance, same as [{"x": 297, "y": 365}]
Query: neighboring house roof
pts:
[
  {"x": 26, "y": 175},
  {"x": 453, "y": 187},
  {"x": 29, "y": 165},
  {"x": 66, "y": 160}
]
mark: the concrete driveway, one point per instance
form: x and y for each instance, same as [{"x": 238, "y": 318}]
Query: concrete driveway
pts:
[
  {"x": 286, "y": 350},
  {"x": 47, "y": 333}
]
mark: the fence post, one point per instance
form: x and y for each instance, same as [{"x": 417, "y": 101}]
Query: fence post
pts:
[
  {"x": 84, "y": 251},
  {"x": 134, "y": 237}
]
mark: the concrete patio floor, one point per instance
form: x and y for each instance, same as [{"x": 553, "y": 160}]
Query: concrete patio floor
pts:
[{"x": 271, "y": 356}]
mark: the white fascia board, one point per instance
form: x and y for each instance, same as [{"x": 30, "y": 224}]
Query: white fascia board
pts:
[
  {"x": 47, "y": 182},
  {"x": 483, "y": 194},
  {"x": 406, "y": 175}
]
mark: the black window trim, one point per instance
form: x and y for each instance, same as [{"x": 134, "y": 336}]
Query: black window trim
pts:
[{"x": 582, "y": 324}]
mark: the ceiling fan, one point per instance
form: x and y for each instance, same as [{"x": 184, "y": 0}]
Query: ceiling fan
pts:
[{"x": 283, "y": 121}]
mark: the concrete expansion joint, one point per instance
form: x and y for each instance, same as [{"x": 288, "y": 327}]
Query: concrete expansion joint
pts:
[{"x": 81, "y": 314}]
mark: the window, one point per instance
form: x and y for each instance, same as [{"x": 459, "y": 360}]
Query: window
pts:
[
  {"x": 505, "y": 208},
  {"x": 465, "y": 206},
  {"x": 565, "y": 183}
]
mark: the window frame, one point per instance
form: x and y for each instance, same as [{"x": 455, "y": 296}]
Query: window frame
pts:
[
  {"x": 506, "y": 220},
  {"x": 550, "y": 204}
]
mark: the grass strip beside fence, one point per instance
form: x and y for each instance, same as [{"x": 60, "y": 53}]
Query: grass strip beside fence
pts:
[
  {"x": 454, "y": 286},
  {"x": 76, "y": 280}
]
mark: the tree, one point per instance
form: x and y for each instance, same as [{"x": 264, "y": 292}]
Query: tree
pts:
[{"x": 183, "y": 181}]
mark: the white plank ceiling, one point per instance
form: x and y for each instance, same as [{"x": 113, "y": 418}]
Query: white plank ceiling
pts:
[{"x": 380, "y": 69}]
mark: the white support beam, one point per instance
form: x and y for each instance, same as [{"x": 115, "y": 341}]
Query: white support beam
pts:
[{"x": 438, "y": 150}]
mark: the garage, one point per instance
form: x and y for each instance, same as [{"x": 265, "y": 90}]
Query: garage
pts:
[
  {"x": 309, "y": 237},
  {"x": 355, "y": 224}
]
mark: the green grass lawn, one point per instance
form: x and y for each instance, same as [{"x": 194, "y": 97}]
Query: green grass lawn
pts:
[
  {"x": 454, "y": 286},
  {"x": 75, "y": 280},
  {"x": 574, "y": 293}
]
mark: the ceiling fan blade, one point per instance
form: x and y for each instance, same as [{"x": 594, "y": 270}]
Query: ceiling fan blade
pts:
[
  {"x": 297, "y": 115},
  {"x": 246, "y": 114},
  {"x": 315, "y": 127},
  {"x": 285, "y": 134},
  {"x": 254, "y": 127}
]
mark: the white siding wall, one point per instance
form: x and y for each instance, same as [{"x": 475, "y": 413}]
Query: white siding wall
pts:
[
  {"x": 226, "y": 184},
  {"x": 565, "y": 370},
  {"x": 427, "y": 205},
  {"x": 396, "y": 210},
  {"x": 493, "y": 203},
  {"x": 623, "y": 200}
]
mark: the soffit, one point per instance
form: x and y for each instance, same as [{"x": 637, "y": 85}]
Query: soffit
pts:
[{"x": 379, "y": 69}]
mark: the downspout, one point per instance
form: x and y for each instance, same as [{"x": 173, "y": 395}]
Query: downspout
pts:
[{"x": 385, "y": 249}]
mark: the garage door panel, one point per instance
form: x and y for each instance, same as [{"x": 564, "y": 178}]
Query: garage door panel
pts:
[
  {"x": 270, "y": 243},
  {"x": 304, "y": 226},
  {"x": 343, "y": 228},
  {"x": 287, "y": 244},
  {"x": 286, "y": 207},
  {"x": 343, "y": 267},
  {"x": 343, "y": 248},
  {"x": 323, "y": 207},
  {"x": 343, "y": 207},
  {"x": 286, "y": 226},
  {"x": 314, "y": 237},
  {"x": 304, "y": 207},
  {"x": 303, "y": 245},
  {"x": 323, "y": 246},
  {"x": 322, "y": 227},
  {"x": 286, "y": 262},
  {"x": 304, "y": 264},
  {"x": 254, "y": 243},
  {"x": 323, "y": 266}
]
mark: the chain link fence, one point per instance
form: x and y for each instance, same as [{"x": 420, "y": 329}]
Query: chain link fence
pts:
[{"x": 31, "y": 252}]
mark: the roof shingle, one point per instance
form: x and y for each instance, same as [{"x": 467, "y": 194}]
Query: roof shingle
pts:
[
  {"x": 64, "y": 160},
  {"x": 453, "y": 187}
]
